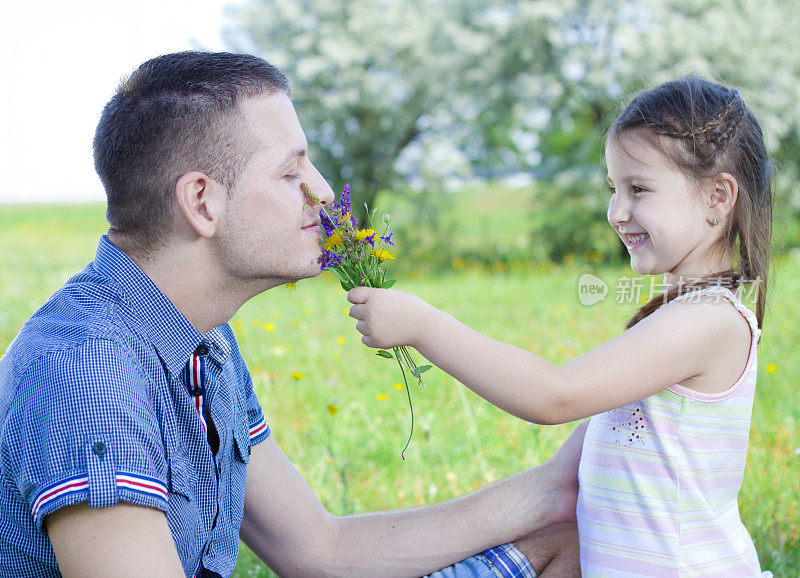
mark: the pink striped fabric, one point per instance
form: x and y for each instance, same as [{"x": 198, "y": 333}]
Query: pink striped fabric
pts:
[{"x": 659, "y": 480}]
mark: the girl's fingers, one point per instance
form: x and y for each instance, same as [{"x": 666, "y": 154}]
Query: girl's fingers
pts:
[
  {"x": 358, "y": 295},
  {"x": 357, "y": 312}
]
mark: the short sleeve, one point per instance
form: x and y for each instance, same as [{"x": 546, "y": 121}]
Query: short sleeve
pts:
[
  {"x": 257, "y": 423},
  {"x": 83, "y": 429}
]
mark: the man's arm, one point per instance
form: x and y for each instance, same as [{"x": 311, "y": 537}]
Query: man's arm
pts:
[
  {"x": 122, "y": 540},
  {"x": 287, "y": 527}
]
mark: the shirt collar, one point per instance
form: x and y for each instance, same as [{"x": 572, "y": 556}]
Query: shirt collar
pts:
[
  {"x": 218, "y": 346},
  {"x": 171, "y": 333}
]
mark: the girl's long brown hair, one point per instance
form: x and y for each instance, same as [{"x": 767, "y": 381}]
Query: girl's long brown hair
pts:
[{"x": 706, "y": 129}]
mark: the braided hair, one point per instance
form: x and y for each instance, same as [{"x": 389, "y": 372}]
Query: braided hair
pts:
[{"x": 706, "y": 129}]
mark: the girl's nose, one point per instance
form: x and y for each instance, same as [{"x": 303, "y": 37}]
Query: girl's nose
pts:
[{"x": 618, "y": 212}]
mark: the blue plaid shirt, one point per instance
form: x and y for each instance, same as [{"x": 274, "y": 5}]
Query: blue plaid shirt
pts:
[{"x": 100, "y": 401}]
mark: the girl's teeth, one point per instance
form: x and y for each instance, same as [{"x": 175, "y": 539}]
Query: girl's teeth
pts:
[{"x": 633, "y": 239}]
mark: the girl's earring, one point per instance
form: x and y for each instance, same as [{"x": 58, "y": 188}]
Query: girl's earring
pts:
[{"x": 713, "y": 221}]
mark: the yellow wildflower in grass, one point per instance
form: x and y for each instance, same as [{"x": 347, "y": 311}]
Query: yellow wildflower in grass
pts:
[
  {"x": 291, "y": 286},
  {"x": 333, "y": 408},
  {"x": 398, "y": 386},
  {"x": 382, "y": 254},
  {"x": 382, "y": 397},
  {"x": 333, "y": 241},
  {"x": 268, "y": 327},
  {"x": 362, "y": 234},
  {"x": 772, "y": 368},
  {"x": 340, "y": 340},
  {"x": 297, "y": 375}
]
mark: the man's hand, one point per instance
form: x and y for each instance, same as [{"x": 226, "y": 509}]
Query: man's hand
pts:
[
  {"x": 389, "y": 318},
  {"x": 122, "y": 540}
]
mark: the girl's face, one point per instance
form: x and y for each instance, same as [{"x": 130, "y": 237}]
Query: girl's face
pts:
[{"x": 658, "y": 212}]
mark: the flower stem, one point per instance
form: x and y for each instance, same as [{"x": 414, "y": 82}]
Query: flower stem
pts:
[{"x": 397, "y": 355}]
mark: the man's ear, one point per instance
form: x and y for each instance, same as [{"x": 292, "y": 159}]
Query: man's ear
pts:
[
  {"x": 201, "y": 201},
  {"x": 723, "y": 196}
]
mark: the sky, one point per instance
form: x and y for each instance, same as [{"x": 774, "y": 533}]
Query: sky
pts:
[{"x": 61, "y": 62}]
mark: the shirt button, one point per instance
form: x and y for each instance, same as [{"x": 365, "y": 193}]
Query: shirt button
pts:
[
  {"x": 99, "y": 448},
  {"x": 201, "y": 349}
]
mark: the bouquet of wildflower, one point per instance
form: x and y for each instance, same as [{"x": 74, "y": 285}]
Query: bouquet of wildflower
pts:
[{"x": 358, "y": 258}]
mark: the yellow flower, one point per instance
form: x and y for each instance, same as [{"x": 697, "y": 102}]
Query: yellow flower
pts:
[
  {"x": 382, "y": 397},
  {"x": 340, "y": 340},
  {"x": 362, "y": 234},
  {"x": 382, "y": 254},
  {"x": 333, "y": 408},
  {"x": 398, "y": 386},
  {"x": 291, "y": 286},
  {"x": 344, "y": 219},
  {"x": 269, "y": 327},
  {"x": 772, "y": 368},
  {"x": 333, "y": 241},
  {"x": 298, "y": 375}
]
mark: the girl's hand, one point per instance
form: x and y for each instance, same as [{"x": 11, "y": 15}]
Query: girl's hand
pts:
[{"x": 388, "y": 318}]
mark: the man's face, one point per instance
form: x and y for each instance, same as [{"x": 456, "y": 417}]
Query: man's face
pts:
[{"x": 270, "y": 234}]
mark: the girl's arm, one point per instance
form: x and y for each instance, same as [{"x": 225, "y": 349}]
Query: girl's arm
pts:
[{"x": 684, "y": 341}]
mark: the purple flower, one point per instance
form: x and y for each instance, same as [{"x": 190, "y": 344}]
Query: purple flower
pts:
[
  {"x": 327, "y": 223},
  {"x": 330, "y": 259},
  {"x": 386, "y": 239},
  {"x": 345, "y": 202},
  {"x": 371, "y": 239}
]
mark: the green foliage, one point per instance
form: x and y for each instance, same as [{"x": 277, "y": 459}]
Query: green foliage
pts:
[{"x": 411, "y": 93}]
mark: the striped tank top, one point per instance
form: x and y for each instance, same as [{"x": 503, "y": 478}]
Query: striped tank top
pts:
[{"x": 659, "y": 480}]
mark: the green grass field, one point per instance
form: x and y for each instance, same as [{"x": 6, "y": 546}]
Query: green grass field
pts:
[{"x": 334, "y": 409}]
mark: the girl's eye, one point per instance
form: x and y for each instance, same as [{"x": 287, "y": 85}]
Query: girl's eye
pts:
[
  {"x": 292, "y": 177},
  {"x": 612, "y": 189},
  {"x": 638, "y": 189}
]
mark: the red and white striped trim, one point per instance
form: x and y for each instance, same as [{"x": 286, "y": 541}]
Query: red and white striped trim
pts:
[
  {"x": 71, "y": 485},
  {"x": 258, "y": 427},
  {"x": 76, "y": 484},
  {"x": 196, "y": 376},
  {"x": 142, "y": 484}
]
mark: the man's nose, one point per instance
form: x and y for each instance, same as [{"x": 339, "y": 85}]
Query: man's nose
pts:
[{"x": 321, "y": 188}]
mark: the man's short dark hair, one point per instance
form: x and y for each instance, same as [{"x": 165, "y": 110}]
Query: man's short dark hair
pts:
[{"x": 175, "y": 114}]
